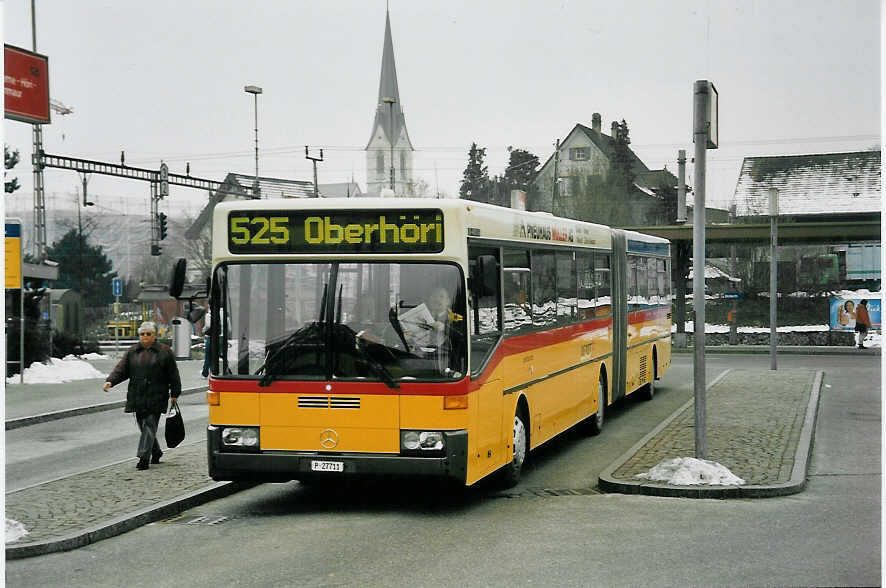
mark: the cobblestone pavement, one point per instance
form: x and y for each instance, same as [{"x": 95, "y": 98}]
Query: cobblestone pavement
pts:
[
  {"x": 755, "y": 421},
  {"x": 68, "y": 505}
]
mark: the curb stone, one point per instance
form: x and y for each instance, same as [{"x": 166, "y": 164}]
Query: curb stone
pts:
[{"x": 127, "y": 522}]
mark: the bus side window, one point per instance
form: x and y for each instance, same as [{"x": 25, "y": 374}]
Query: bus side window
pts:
[
  {"x": 602, "y": 280},
  {"x": 566, "y": 288},
  {"x": 642, "y": 285},
  {"x": 484, "y": 325},
  {"x": 664, "y": 284},
  {"x": 584, "y": 264},
  {"x": 544, "y": 289},
  {"x": 516, "y": 291},
  {"x": 652, "y": 280}
]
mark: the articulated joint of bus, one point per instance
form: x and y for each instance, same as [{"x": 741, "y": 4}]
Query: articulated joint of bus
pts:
[{"x": 235, "y": 453}]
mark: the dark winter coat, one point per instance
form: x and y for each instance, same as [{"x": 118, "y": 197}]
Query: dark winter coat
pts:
[{"x": 153, "y": 377}]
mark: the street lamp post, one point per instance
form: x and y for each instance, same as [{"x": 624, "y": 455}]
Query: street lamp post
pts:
[
  {"x": 255, "y": 91},
  {"x": 390, "y": 102},
  {"x": 773, "y": 277}
]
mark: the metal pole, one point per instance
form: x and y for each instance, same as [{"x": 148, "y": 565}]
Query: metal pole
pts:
[
  {"x": 116, "y": 325},
  {"x": 255, "y": 91},
  {"x": 33, "y": 26},
  {"x": 773, "y": 277},
  {"x": 555, "y": 187},
  {"x": 390, "y": 102},
  {"x": 256, "y": 139},
  {"x": 21, "y": 331},
  {"x": 681, "y": 186},
  {"x": 700, "y": 136}
]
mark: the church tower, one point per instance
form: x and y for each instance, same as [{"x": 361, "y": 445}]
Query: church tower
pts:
[{"x": 389, "y": 137}]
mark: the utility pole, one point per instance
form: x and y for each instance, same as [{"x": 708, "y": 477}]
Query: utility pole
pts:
[
  {"x": 315, "y": 160},
  {"x": 39, "y": 196},
  {"x": 555, "y": 187}
]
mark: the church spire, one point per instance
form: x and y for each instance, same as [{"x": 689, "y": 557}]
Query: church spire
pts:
[
  {"x": 389, "y": 88},
  {"x": 389, "y": 136}
]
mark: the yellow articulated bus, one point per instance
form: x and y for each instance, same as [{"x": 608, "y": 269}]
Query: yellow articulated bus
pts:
[{"x": 420, "y": 337}]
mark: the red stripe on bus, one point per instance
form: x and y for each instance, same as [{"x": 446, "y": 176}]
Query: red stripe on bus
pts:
[
  {"x": 649, "y": 314},
  {"x": 532, "y": 341}
]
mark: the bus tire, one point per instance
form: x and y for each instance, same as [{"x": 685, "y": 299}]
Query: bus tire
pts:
[
  {"x": 595, "y": 421},
  {"x": 648, "y": 390},
  {"x": 511, "y": 472}
]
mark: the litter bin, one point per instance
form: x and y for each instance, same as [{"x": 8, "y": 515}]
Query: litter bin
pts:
[{"x": 181, "y": 338}]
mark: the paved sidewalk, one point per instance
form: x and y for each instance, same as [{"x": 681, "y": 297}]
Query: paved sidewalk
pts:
[
  {"x": 760, "y": 425},
  {"x": 78, "y": 510}
]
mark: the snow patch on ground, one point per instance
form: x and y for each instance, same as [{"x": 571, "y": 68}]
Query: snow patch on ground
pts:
[
  {"x": 689, "y": 471},
  {"x": 57, "y": 371},
  {"x": 91, "y": 356},
  {"x": 14, "y": 530}
]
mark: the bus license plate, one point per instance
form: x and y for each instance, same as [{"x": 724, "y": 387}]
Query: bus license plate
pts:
[{"x": 327, "y": 466}]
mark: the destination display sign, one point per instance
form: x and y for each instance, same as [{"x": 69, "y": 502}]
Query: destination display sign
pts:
[{"x": 335, "y": 231}]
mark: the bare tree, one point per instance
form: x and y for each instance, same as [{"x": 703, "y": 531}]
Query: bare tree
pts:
[{"x": 198, "y": 251}]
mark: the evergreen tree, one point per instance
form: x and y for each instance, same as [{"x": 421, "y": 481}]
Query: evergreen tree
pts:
[
  {"x": 521, "y": 169},
  {"x": 621, "y": 170},
  {"x": 10, "y": 160},
  {"x": 83, "y": 267},
  {"x": 475, "y": 182}
]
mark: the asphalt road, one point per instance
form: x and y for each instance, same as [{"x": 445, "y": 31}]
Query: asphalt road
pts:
[{"x": 554, "y": 529}]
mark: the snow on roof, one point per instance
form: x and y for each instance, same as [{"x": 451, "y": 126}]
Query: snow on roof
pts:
[{"x": 825, "y": 183}]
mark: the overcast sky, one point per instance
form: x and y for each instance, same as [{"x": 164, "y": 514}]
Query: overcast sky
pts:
[{"x": 163, "y": 80}]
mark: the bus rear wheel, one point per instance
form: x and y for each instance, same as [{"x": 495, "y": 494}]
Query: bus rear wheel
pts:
[
  {"x": 595, "y": 421},
  {"x": 511, "y": 472},
  {"x": 648, "y": 390}
]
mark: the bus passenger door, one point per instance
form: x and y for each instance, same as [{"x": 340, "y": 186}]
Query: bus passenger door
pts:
[{"x": 490, "y": 452}]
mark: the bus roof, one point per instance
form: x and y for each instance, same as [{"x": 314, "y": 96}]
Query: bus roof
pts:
[{"x": 480, "y": 220}]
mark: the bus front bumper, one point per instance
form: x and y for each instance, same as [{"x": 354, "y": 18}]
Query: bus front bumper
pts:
[{"x": 283, "y": 466}]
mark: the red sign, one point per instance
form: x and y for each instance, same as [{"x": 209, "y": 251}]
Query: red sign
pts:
[{"x": 26, "y": 85}]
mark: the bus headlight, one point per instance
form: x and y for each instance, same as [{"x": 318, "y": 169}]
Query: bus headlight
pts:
[
  {"x": 240, "y": 436},
  {"x": 421, "y": 441}
]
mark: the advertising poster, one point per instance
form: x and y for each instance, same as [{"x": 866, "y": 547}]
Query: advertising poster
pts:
[{"x": 842, "y": 313}]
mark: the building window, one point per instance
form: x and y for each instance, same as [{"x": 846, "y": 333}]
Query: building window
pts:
[{"x": 580, "y": 153}]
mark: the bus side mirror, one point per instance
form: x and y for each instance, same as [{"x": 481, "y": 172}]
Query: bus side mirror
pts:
[
  {"x": 485, "y": 279},
  {"x": 177, "y": 282}
]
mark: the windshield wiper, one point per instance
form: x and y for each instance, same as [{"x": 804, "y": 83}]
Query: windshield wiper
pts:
[
  {"x": 395, "y": 323},
  {"x": 297, "y": 338},
  {"x": 373, "y": 363}
]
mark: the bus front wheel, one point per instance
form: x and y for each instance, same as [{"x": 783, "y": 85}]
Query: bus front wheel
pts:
[{"x": 511, "y": 473}]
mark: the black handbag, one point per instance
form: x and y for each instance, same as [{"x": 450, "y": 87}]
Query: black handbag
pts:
[{"x": 175, "y": 426}]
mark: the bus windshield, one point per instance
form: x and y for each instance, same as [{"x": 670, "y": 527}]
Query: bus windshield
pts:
[{"x": 387, "y": 322}]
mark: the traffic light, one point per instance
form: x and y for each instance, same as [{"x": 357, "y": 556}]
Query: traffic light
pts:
[
  {"x": 155, "y": 250},
  {"x": 162, "y": 218}
]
